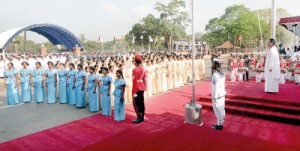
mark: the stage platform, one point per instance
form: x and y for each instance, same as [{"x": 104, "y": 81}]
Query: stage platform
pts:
[
  {"x": 164, "y": 129},
  {"x": 248, "y": 98}
]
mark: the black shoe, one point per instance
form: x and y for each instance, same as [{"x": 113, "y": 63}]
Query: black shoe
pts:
[
  {"x": 137, "y": 121},
  {"x": 219, "y": 127}
]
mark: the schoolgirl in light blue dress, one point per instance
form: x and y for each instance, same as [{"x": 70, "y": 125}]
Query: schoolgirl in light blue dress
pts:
[
  {"x": 51, "y": 82},
  {"x": 38, "y": 84},
  {"x": 119, "y": 104},
  {"x": 25, "y": 75},
  {"x": 80, "y": 80},
  {"x": 71, "y": 84},
  {"x": 11, "y": 84},
  {"x": 106, "y": 81},
  {"x": 62, "y": 84},
  {"x": 92, "y": 89}
]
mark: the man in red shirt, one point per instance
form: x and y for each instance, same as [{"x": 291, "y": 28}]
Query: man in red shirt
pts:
[{"x": 139, "y": 86}]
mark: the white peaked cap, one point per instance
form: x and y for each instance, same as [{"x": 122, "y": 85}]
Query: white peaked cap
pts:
[{"x": 217, "y": 60}]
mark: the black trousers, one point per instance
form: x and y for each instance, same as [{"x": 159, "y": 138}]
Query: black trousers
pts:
[
  {"x": 247, "y": 75},
  {"x": 139, "y": 105}
]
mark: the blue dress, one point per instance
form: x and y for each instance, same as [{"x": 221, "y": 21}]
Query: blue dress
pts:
[
  {"x": 93, "y": 97},
  {"x": 79, "y": 92},
  {"x": 70, "y": 88},
  {"x": 51, "y": 86},
  {"x": 12, "y": 94},
  {"x": 38, "y": 85},
  {"x": 25, "y": 85},
  {"x": 106, "y": 101},
  {"x": 119, "y": 108},
  {"x": 62, "y": 83}
]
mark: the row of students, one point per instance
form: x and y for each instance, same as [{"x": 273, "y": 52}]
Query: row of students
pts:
[{"x": 75, "y": 87}]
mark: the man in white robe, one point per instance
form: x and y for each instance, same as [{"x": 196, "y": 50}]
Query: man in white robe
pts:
[{"x": 272, "y": 69}]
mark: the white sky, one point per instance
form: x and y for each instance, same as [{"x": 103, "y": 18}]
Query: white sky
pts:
[{"x": 111, "y": 17}]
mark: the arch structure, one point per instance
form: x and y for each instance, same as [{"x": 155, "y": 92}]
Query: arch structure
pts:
[{"x": 55, "y": 34}]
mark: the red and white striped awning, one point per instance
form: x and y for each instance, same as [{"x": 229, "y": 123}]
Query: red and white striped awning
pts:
[{"x": 290, "y": 23}]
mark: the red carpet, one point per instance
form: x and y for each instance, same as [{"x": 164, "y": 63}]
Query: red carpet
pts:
[{"x": 164, "y": 128}]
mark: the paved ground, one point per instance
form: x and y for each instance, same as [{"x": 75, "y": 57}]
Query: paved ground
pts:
[{"x": 24, "y": 119}]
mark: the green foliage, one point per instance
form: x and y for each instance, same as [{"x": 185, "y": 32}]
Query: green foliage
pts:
[
  {"x": 171, "y": 24},
  {"x": 240, "y": 25}
]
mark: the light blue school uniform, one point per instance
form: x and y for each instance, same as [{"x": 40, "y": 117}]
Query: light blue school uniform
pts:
[
  {"x": 38, "y": 85},
  {"x": 119, "y": 104},
  {"x": 62, "y": 83},
  {"x": 12, "y": 93},
  {"x": 106, "y": 101},
  {"x": 25, "y": 85},
  {"x": 70, "y": 88},
  {"x": 51, "y": 86},
  {"x": 79, "y": 91},
  {"x": 93, "y": 97}
]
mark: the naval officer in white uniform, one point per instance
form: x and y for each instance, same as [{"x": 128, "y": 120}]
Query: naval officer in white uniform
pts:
[{"x": 218, "y": 93}]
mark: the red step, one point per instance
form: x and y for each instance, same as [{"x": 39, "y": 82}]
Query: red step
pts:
[
  {"x": 259, "y": 105},
  {"x": 282, "y": 102},
  {"x": 259, "y": 113}
]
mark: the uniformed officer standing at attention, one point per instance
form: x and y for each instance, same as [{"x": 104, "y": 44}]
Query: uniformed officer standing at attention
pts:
[
  {"x": 218, "y": 93},
  {"x": 139, "y": 82}
]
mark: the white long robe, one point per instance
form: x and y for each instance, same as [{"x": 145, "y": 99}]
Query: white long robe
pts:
[{"x": 272, "y": 78}]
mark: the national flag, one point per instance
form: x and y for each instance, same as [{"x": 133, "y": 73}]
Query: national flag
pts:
[
  {"x": 142, "y": 37},
  {"x": 162, "y": 38},
  {"x": 155, "y": 41},
  {"x": 150, "y": 39},
  {"x": 133, "y": 39},
  {"x": 100, "y": 38}
]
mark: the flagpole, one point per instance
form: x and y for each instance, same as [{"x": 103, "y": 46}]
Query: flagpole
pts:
[
  {"x": 143, "y": 44},
  {"x": 25, "y": 41},
  {"x": 193, "y": 111},
  {"x": 124, "y": 42},
  {"x": 273, "y": 28}
]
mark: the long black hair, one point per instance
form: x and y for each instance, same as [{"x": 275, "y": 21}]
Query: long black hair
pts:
[
  {"x": 80, "y": 65},
  {"x": 104, "y": 68},
  {"x": 50, "y": 62},
  {"x": 72, "y": 64},
  {"x": 121, "y": 73},
  {"x": 92, "y": 68},
  {"x": 39, "y": 63}
]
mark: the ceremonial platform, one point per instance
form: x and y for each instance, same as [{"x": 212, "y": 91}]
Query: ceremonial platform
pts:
[
  {"x": 248, "y": 98},
  {"x": 254, "y": 121}
]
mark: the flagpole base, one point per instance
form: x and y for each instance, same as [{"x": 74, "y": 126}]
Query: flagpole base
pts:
[{"x": 193, "y": 114}]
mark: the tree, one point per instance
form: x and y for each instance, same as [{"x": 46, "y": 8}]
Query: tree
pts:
[
  {"x": 171, "y": 24},
  {"x": 240, "y": 26},
  {"x": 282, "y": 35}
]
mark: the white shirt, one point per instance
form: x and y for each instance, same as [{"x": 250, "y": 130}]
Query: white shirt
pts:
[{"x": 218, "y": 85}]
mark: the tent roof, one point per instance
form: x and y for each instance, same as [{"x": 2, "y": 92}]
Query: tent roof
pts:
[
  {"x": 55, "y": 34},
  {"x": 290, "y": 23},
  {"x": 226, "y": 45}
]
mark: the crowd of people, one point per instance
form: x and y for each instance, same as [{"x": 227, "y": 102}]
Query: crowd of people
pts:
[
  {"x": 96, "y": 80},
  {"x": 251, "y": 66}
]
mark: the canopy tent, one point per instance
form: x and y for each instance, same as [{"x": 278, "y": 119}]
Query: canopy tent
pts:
[
  {"x": 226, "y": 48},
  {"x": 291, "y": 23},
  {"x": 227, "y": 45},
  {"x": 55, "y": 34}
]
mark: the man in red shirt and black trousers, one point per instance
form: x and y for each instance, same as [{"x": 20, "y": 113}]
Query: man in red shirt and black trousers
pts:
[{"x": 139, "y": 86}]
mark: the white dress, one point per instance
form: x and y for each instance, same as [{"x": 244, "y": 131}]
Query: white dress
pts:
[{"x": 272, "y": 77}]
